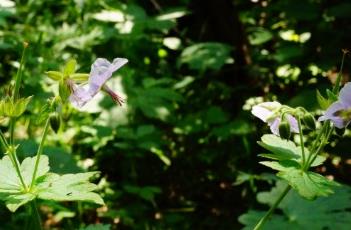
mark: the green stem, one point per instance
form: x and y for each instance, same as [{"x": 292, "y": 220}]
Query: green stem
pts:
[
  {"x": 36, "y": 216},
  {"x": 338, "y": 79},
  {"x": 264, "y": 219},
  {"x": 301, "y": 141},
  {"x": 15, "y": 163},
  {"x": 12, "y": 129},
  {"x": 15, "y": 95},
  {"x": 39, "y": 152},
  {"x": 3, "y": 141},
  {"x": 315, "y": 144},
  {"x": 323, "y": 143}
]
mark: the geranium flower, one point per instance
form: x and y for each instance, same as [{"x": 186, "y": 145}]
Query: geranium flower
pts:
[
  {"x": 268, "y": 113},
  {"x": 339, "y": 113},
  {"x": 101, "y": 71}
]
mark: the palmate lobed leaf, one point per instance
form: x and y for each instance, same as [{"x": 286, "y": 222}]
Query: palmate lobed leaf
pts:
[
  {"x": 281, "y": 148},
  {"x": 298, "y": 214},
  {"x": 68, "y": 187},
  {"x": 308, "y": 184},
  {"x": 285, "y": 150},
  {"x": 50, "y": 186},
  {"x": 9, "y": 181}
]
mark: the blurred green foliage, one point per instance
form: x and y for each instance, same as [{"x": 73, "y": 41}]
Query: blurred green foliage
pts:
[{"x": 170, "y": 156}]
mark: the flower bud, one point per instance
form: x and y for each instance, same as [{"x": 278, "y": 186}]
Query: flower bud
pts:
[
  {"x": 64, "y": 89},
  {"x": 284, "y": 130},
  {"x": 309, "y": 121},
  {"x": 55, "y": 121},
  {"x": 9, "y": 108}
]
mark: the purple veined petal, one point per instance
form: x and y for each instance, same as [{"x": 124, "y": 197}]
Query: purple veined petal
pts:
[
  {"x": 345, "y": 95},
  {"x": 274, "y": 126},
  {"x": 118, "y": 63},
  {"x": 265, "y": 110},
  {"x": 338, "y": 122},
  {"x": 330, "y": 113},
  {"x": 294, "y": 127},
  {"x": 101, "y": 71},
  {"x": 79, "y": 97}
]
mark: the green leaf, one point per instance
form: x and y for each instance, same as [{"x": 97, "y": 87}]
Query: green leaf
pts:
[
  {"x": 14, "y": 201},
  {"x": 203, "y": 56},
  {"x": 308, "y": 184},
  {"x": 281, "y": 166},
  {"x": 10, "y": 182},
  {"x": 68, "y": 187},
  {"x": 11, "y": 190},
  {"x": 323, "y": 102},
  {"x": 28, "y": 165},
  {"x": 297, "y": 213},
  {"x": 259, "y": 35},
  {"x": 282, "y": 149},
  {"x": 331, "y": 96}
]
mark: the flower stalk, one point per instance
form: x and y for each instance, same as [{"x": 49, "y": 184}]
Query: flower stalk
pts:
[
  {"x": 40, "y": 151},
  {"x": 264, "y": 219}
]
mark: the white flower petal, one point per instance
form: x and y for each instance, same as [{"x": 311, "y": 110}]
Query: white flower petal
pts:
[
  {"x": 101, "y": 71},
  {"x": 294, "y": 127},
  {"x": 274, "y": 126},
  {"x": 265, "y": 110},
  {"x": 79, "y": 97}
]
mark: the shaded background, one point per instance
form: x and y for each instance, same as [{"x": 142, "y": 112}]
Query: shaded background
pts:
[{"x": 181, "y": 153}]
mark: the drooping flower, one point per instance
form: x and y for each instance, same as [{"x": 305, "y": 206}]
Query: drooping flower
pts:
[
  {"x": 339, "y": 113},
  {"x": 101, "y": 71},
  {"x": 268, "y": 113}
]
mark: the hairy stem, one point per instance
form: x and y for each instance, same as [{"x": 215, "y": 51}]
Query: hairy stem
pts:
[
  {"x": 15, "y": 163},
  {"x": 15, "y": 95},
  {"x": 301, "y": 141},
  {"x": 36, "y": 224},
  {"x": 338, "y": 79},
  {"x": 323, "y": 143},
  {"x": 315, "y": 144},
  {"x": 39, "y": 152},
  {"x": 264, "y": 219}
]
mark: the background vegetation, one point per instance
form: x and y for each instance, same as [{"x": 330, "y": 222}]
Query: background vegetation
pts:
[{"x": 181, "y": 153}]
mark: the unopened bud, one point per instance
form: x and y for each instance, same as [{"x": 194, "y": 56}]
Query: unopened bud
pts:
[
  {"x": 10, "y": 108},
  {"x": 65, "y": 88},
  {"x": 284, "y": 130},
  {"x": 55, "y": 122},
  {"x": 309, "y": 121}
]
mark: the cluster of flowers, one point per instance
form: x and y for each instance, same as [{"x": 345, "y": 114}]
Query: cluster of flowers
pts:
[{"x": 339, "y": 113}]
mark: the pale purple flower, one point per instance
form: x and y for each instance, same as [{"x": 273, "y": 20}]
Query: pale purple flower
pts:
[
  {"x": 101, "y": 71},
  {"x": 268, "y": 113},
  {"x": 339, "y": 113}
]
